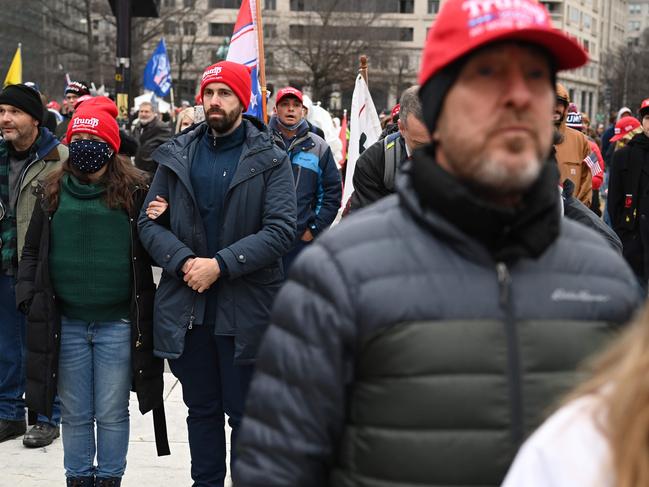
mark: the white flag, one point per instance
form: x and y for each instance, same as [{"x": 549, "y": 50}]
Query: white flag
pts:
[{"x": 364, "y": 131}]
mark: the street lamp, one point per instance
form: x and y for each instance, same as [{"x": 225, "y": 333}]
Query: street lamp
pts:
[{"x": 124, "y": 11}]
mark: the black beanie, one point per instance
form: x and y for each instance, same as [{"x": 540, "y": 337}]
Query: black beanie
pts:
[
  {"x": 24, "y": 98},
  {"x": 433, "y": 92}
]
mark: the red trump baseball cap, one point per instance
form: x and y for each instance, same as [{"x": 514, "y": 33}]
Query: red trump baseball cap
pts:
[
  {"x": 288, "y": 91},
  {"x": 463, "y": 26}
]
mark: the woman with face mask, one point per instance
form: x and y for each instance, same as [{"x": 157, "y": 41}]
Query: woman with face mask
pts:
[{"x": 86, "y": 284}]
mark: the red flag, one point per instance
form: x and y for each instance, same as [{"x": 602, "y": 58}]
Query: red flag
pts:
[{"x": 343, "y": 139}]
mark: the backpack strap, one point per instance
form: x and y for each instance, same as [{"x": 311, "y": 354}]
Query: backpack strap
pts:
[{"x": 392, "y": 151}]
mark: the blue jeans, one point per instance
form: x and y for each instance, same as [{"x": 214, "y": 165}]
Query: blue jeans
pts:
[
  {"x": 12, "y": 357},
  {"x": 94, "y": 384},
  {"x": 212, "y": 386}
]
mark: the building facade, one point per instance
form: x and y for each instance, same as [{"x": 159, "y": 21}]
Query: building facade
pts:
[
  {"x": 637, "y": 23},
  {"x": 392, "y": 35}
]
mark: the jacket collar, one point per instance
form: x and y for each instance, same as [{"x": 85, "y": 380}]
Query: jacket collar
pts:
[
  {"x": 177, "y": 153},
  {"x": 473, "y": 226}
]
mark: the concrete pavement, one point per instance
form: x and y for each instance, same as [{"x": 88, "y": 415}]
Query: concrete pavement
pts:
[{"x": 43, "y": 467}]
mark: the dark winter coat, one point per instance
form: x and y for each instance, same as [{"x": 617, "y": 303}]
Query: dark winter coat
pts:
[
  {"x": 318, "y": 187},
  {"x": 35, "y": 294},
  {"x": 150, "y": 137},
  {"x": 369, "y": 175},
  {"x": 401, "y": 353},
  {"x": 257, "y": 229},
  {"x": 628, "y": 202}
]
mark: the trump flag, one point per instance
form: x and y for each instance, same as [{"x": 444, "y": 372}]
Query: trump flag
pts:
[{"x": 244, "y": 49}]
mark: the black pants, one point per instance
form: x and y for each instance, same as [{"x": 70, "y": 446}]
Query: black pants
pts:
[{"x": 212, "y": 386}]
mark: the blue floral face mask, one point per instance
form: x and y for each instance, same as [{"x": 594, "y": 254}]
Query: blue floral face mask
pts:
[{"x": 89, "y": 156}]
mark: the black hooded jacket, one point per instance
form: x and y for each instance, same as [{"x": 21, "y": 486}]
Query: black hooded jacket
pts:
[{"x": 628, "y": 202}]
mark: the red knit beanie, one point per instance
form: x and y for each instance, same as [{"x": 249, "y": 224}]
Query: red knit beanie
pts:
[
  {"x": 96, "y": 116},
  {"x": 236, "y": 76}
]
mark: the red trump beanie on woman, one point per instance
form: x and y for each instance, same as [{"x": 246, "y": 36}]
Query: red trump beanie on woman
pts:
[{"x": 96, "y": 116}]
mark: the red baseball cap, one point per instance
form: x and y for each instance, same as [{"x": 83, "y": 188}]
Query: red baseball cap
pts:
[
  {"x": 624, "y": 126},
  {"x": 463, "y": 26},
  {"x": 395, "y": 111},
  {"x": 288, "y": 91}
]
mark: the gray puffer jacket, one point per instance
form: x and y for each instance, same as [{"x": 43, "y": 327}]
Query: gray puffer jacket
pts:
[{"x": 401, "y": 354}]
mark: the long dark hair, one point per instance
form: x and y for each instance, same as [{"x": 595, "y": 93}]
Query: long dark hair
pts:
[{"x": 121, "y": 178}]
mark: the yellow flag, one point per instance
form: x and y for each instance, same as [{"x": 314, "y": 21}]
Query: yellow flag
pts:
[{"x": 15, "y": 73}]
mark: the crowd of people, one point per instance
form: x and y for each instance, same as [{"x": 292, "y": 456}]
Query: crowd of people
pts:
[{"x": 420, "y": 341}]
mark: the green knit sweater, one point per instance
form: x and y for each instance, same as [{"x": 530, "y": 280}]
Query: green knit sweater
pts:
[{"x": 90, "y": 254}]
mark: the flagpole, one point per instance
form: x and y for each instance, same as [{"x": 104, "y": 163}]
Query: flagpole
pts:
[
  {"x": 173, "y": 105},
  {"x": 262, "y": 60},
  {"x": 364, "y": 68}
]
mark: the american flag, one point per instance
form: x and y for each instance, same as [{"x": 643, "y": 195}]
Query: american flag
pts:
[{"x": 592, "y": 162}]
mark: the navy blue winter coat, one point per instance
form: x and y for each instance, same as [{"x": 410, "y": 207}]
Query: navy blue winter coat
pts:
[{"x": 257, "y": 229}]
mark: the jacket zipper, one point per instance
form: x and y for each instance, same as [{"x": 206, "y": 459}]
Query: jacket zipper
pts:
[
  {"x": 191, "y": 314},
  {"x": 513, "y": 359},
  {"x": 22, "y": 177},
  {"x": 297, "y": 179}
]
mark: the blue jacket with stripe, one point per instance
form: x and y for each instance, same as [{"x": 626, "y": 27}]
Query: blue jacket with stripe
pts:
[{"x": 318, "y": 186}]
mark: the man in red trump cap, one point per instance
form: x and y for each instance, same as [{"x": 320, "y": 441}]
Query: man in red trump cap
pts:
[
  {"x": 220, "y": 215},
  {"x": 423, "y": 338}
]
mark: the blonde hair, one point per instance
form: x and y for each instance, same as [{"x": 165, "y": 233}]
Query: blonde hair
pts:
[
  {"x": 186, "y": 113},
  {"x": 620, "y": 380}
]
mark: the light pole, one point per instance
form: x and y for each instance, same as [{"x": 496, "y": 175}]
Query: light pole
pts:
[{"x": 124, "y": 11}]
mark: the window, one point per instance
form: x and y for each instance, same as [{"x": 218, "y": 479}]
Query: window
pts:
[
  {"x": 433, "y": 6},
  {"x": 586, "y": 20},
  {"x": 406, "y": 34},
  {"x": 169, "y": 3},
  {"x": 189, "y": 28},
  {"x": 270, "y": 31},
  {"x": 297, "y": 5},
  {"x": 170, "y": 27},
  {"x": 270, "y": 4},
  {"x": 574, "y": 15},
  {"x": 634, "y": 25},
  {"x": 189, "y": 3},
  {"x": 406, "y": 6},
  {"x": 224, "y": 4},
  {"x": 221, "y": 30},
  {"x": 189, "y": 56},
  {"x": 635, "y": 8},
  {"x": 95, "y": 24}
]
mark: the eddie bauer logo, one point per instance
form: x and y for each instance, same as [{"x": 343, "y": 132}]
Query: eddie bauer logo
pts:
[
  {"x": 212, "y": 72},
  {"x": 86, "y": 122},
  {"x": 582, "y": 296}
]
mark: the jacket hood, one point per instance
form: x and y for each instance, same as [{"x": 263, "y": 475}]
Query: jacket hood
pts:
[
  {"x": 174, "y": 152},
  {"x": 640, "y": 140}
]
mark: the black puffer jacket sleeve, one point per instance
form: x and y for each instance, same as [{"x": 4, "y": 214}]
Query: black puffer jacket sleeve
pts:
[
  {"x": 29, "y": 260},
  {"x": 295, "y": 407},
  {"x": 368, "y": 177}
]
